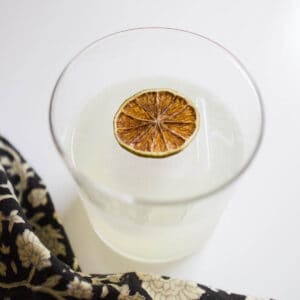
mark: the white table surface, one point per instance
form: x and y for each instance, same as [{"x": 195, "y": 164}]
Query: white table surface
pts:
[{"x": 256, "y": 247}]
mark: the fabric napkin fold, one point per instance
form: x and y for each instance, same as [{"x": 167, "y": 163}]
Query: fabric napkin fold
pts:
[{"x": 37, "y": 260}]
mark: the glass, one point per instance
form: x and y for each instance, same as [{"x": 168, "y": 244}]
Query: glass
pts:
[{"x": 155, "y": 210}]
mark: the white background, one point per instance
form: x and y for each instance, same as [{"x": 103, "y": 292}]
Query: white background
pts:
[{"x": 256, "y": 248}]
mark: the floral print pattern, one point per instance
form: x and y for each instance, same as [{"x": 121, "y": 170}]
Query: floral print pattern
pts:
[
  {"x": 51, "y": 238},
  {"x": 31, "y": 251},
  {"x": 36, "y": 258},
  {"x": 2, "y": 269},
  {"x": 12, "y": 219},
  {"x": 37, "y": 197},
  {"x": 167, "y": 289},
  {"x": 80, "y": 289}
]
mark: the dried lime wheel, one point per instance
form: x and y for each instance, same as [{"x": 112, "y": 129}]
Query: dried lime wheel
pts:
[{"x": 156, "y": 123}]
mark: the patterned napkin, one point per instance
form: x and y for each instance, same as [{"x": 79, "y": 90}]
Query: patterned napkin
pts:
[{"x": 36, "y": 258}]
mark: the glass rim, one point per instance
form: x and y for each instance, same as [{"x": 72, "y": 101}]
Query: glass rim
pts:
[{"x": 132, "y": 199}]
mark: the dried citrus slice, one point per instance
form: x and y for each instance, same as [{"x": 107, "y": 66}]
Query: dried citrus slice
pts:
[{"x": 155, "y": 123}]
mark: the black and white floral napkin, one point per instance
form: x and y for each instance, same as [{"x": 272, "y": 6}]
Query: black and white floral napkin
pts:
[{"x": 36, "y": 258}]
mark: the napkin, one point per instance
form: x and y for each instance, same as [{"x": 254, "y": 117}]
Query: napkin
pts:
[{"x": 37, "y": 260}]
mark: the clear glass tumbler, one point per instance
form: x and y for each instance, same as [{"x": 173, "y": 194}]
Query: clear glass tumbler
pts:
[{"x": 155, "y": 210}]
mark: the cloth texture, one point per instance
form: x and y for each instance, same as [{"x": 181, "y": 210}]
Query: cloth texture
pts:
[{"x": 37, "y": 260}]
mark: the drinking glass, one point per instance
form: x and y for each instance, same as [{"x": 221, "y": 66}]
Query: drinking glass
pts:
[{"x": 155, "y": 210}]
